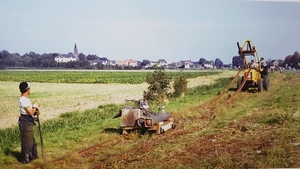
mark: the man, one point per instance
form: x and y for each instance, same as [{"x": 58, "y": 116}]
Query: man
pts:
[
  {"x": 253, "y": 65},
  {"x": 264, "y": 73},
  {"x": 26, "y": 123}
]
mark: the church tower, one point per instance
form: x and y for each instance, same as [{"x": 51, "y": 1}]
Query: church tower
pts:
[{"x": 76, "y": 53}]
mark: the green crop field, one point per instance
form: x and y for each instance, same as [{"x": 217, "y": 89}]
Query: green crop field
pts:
[{"x": 104, "y": 77}]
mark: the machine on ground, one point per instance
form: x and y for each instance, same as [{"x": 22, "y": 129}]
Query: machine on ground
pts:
[
  {"x": 143, "y": 118},
  {"x": 252, "y": 70}
]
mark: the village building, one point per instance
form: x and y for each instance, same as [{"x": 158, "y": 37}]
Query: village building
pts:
[
  {"x": 162, "y": 62},
  {"x": 208, "y": 65},
  {"x": 184, "y": 64},
  {"x": 63, "y": 58},
  {"x": 128, "y": 62},
  {"x": 132, "y": 62},
  {"x": 196, "y": 65},
  {"x": 112, "y": 62}
]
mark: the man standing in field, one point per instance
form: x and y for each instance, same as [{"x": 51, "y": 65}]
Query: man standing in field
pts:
[
  {"x": 264, "y": 73},
  {"x": 26, "y": 123}
]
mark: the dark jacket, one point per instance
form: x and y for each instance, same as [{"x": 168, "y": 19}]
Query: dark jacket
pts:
[{"x": 265, "y": 70}]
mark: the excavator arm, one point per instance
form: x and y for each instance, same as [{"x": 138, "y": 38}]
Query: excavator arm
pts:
[{"x": 248, "y": 49}]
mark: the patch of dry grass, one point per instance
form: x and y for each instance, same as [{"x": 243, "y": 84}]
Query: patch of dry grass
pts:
[
  {"x": 58, "y": 98},
  {"x": 55, "y": 99}
]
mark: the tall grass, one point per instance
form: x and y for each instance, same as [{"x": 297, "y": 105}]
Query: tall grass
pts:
[
  {"x": 63, "y": 132},
  {"x": 259, "y": 113},
  {"x": 64, "y": 127},
  {"x": 197, "y": 95},
  {"x": 256, "y": 130}
]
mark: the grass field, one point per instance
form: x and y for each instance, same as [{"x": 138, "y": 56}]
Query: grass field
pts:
[
  {"x": 98, "y": 77},
  {"x": 256, "y": 130},
  {"x": 58, "y": 98}
]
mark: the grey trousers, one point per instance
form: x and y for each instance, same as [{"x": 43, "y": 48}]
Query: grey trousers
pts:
[
  {"x": 28, "y": 143},
  {"x": 266, "y": 82}
]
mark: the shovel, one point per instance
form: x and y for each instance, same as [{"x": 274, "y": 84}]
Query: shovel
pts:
[{"x": 41, "y": 137}]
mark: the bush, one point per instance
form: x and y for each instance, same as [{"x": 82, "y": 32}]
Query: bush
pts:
[
  {"x": 179, "y": 86},
  {"x": 159, "y": 86}
]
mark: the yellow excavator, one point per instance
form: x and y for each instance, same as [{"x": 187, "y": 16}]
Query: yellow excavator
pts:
[{"x": 252, "y": 78}]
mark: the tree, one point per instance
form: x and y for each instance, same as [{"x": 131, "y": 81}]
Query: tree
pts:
[
  {"x": 280, "y": 63},
  {"x": 145, "y": 63},
  {"x": 16, "y": 59},
  {"x": 33, "y": 62},
  {"x": 47, "y": 60},
  {"x": 81, "y": 57},
  {"x": 4, "y": 59},
  {"x": 202, "y": 61},
  {"x": 159, "y": 86},
  {"x": 218, "y": 63},
  {"x": 237, "y": 61},
  {"x": 92, "y": 57},
  {"x": 26, "y": 61},
  {"x": 295, "y": 59},
  {"x": 4, "y": 54},
  {"x": 180, "y": 85}
]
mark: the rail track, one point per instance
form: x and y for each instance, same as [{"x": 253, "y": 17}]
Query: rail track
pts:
[
  {"x": 118, "y": 149},
  {"x": 103, "y": 154},
  {"x": 85, "y": 153}
]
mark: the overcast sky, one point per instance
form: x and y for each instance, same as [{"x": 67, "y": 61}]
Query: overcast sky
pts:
[{"x": 173, "y": 30}]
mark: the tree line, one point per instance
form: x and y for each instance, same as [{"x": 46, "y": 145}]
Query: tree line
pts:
[
  {"x": 39, "y": 61},
  {"x": 47, "y": 61}
]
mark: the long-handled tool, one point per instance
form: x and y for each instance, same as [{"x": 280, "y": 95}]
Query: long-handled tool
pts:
[{"x": 41, "y": 137}]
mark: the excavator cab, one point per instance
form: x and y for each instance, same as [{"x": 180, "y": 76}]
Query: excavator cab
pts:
[{"x": 251, "y": 78}]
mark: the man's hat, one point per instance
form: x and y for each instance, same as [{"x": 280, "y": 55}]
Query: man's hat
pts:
[{"x": 24, "y": 86}]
